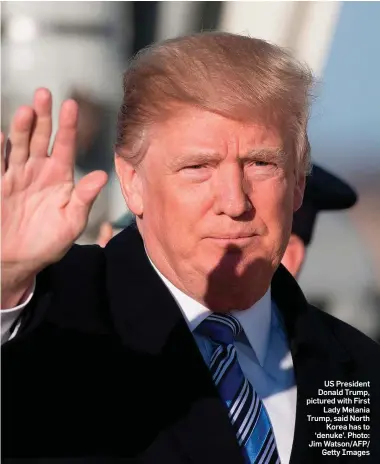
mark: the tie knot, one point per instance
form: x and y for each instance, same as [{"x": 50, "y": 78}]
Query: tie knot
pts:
[{"x": 220, "y": 328}]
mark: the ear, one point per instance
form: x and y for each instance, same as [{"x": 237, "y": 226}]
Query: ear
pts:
[
  {"x": 294, "y": 255},
  {"x": 299, "y": 190},
  {"x": 130, "y": 183}
]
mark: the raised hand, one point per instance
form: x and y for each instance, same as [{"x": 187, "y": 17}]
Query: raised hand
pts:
[{"x": 43, "y": 212}]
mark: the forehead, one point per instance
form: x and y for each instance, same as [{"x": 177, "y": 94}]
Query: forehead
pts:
[{"x": 191, "y": 129}]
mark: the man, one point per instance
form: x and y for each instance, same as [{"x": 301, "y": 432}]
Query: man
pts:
[
  {"x": 323, "y": 192},
  {"x": 184, "y": 339}
]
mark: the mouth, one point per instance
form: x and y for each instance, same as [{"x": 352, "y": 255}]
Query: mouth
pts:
[
  {"x": 234, "y": 239},
  {"x": 234, "y": 236}
]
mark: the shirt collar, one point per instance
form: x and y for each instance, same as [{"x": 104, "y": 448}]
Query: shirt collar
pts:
[{"x": 256, "y": 320}]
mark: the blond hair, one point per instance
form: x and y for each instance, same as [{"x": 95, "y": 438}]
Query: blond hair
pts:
[{"x": 238, "y": 77}]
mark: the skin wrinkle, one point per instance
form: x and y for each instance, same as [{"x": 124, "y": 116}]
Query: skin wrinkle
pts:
[{"x": 267, "y": 155}]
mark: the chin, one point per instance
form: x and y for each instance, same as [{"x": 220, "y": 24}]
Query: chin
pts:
[
  {"x": 236, "y": 262},
  {"x": 238, "y": 285},
  {"x": 230, "y": 301}
]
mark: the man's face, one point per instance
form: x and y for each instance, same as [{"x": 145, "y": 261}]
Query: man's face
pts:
[{"x": 217, "y": 201}]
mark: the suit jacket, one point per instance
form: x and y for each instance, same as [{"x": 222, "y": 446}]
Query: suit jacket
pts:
[{"x": 105, "y": 369}]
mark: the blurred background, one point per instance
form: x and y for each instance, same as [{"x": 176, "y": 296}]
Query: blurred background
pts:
[{"x": 80, "y": 50}]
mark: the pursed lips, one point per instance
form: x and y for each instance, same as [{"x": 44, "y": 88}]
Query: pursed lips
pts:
[{"x": 233, "y": 236}]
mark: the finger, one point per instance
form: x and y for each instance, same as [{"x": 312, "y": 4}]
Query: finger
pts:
[
  {"x": 84, "y": 195},
  {"x": 39, "y": 143},
  {"x": 65, "y": 140},
  {"x": 20, "y": 131},
  {"x": 8, "y": 149},
  {"x": 105, "y": 234},
  {"x": 2, "y": 154}
]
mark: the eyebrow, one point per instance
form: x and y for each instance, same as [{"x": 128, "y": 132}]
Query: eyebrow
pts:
[
  {"x": 194, "y": 159},
  {"x": 265, "y": 154},
  {"x": 262, "y": 154}
]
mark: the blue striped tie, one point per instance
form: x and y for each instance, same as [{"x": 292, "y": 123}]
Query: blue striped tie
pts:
[{"x": 246, "y": 410}]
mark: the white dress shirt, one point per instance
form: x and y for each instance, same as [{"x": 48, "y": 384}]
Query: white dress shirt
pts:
[
  {"x": 264, "y": 357},
  {"x": 262, "y": 351},
  {"x": 8, "y": 318}
]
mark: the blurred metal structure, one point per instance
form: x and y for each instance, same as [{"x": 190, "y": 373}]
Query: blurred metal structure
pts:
[
  {"x": 306, "y": 28},
  {"x": 61, "y": 45},
  {"x": 64, "y": 46}
]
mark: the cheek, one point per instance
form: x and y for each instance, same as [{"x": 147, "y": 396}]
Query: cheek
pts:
[
  {"x": 177, "y": 209},
  {"x": 273, "y": 203},
  {"x": 190, "y": 201}
]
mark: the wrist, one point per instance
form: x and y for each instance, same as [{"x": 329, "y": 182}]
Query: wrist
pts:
[{"x": 15, "y": 289}]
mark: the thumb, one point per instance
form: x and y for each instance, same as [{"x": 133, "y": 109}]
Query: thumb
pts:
[{"x": 84, "y": 195}]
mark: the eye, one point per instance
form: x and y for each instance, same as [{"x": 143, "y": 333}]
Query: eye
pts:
[
  {"x": 261, "y": 163},
  {"x": 195, "y": 166},
  {"x": 196, "y": 172}
]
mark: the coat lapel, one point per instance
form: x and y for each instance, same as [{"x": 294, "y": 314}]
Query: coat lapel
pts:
[{"x": 149, "y": 321}]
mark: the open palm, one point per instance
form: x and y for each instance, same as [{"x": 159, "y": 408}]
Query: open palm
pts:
[{"x": 43, "y": 212}]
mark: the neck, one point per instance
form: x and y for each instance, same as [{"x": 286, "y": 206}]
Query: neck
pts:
[{"x": 219, "y": 291}]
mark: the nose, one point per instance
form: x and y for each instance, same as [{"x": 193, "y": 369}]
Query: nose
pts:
[{"x": 231, "y": 192}]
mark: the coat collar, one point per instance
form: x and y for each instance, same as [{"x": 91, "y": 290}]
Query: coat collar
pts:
[{"x": 305, "y": 328}]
